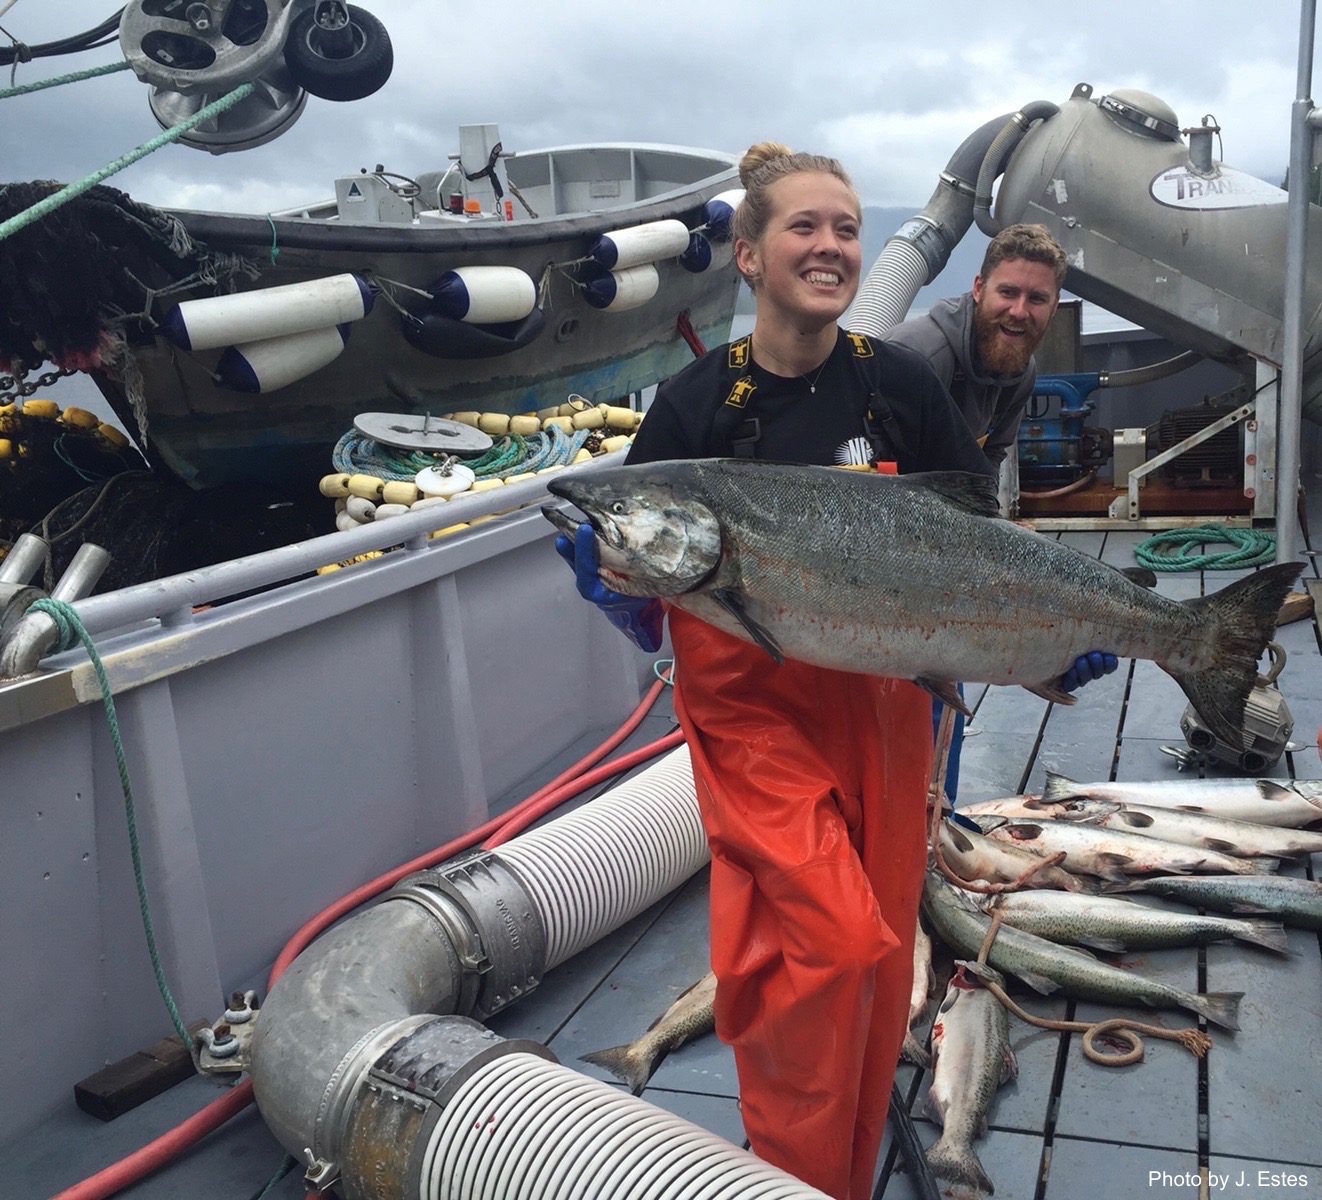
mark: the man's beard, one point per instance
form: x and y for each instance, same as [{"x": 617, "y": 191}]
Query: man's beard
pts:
[{"x": 1000, "y": 356}]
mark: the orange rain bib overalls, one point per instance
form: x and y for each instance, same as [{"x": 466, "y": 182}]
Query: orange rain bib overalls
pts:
[{"x": 812, "y": 785}]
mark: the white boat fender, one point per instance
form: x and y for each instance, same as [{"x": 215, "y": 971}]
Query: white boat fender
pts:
[
  {"x": 360, "y": 509},
  {"x": 444, "y": 482},
  {"x": 484, "y": 295},
  {"x": 619, "y": 291},
  {"x": 215, "y": 321},
  {"x": 719, "y": 212},
  {"x": 703, "y": 256},
  {"x": 272, "y": 363},
  {"x": 639, "y": 244},
  {"x": 446, "y": 337}
]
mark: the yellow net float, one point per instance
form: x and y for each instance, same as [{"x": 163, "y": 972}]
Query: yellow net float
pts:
[
  {"x": 334, "y": 486},
  {"x": 116, "y": 437},
  {"x": 525, "y": 425},
  {"x": 369, "y": 487},
  {"x": 400, "y": 491},
  {"x": 44, "y": 409},
  {"x": 79, "y": 418}
]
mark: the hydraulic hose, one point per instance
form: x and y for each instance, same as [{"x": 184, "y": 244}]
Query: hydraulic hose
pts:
[
  {"x": 998, "y": 155},
  {"x": 1152, "y": 372}
]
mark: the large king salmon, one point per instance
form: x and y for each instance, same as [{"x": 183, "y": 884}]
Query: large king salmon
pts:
[{"x": 913, "y": 577}]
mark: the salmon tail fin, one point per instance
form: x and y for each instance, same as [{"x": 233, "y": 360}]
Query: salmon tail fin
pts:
[
  {"x": 912, "y": 1051},
  {"x": 624, "y": 1063},
  {"x": 958, "y": 1164},
  {"x": 1221, "y": 1008},
  {"x": 1242, "y": 619},
  {"x": 1270, "y": 935}
]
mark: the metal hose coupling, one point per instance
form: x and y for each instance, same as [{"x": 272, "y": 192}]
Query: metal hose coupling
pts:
[
  {"x": 487, "y": 912},
  {"x": 401, "y": 1098}
]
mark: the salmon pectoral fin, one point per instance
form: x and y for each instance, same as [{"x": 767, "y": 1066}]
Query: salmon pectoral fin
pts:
[
  {"x": 733, "y": 603},
  {"x": 1050, "y": 690},
  {"x": 947, "y": 691}
]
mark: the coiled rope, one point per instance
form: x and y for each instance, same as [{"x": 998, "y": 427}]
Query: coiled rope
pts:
[
  {"x": 1171, "y": 551},
  {"x": 71, "y": 631},
  {"x": 354, "y": 454}
]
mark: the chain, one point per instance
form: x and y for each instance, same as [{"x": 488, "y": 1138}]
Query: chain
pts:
[{"x": 18, "y": 385}]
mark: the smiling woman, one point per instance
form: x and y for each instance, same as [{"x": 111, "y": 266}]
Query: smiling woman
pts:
[{"x": 811, "y": 781}]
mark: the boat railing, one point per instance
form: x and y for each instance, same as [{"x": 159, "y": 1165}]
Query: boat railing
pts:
[{"x": 167, "y": 608}]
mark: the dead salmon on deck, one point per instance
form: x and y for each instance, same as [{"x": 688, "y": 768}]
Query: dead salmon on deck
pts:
[{"x": 913, "y": 577}]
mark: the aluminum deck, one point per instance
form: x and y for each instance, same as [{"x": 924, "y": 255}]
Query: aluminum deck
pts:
[{"x": 1065, "y": 1130}]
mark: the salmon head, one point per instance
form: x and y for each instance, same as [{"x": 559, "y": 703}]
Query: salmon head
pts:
[{"x": 655, "y": 536}]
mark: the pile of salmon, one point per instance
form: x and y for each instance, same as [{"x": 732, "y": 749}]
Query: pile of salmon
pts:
[{"x": 1231, "y": 855}]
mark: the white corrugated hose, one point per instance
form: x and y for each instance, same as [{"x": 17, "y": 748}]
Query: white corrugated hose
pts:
[
  {"x": 596, "y": 868},
  {"x": 522, "y": 1128}
]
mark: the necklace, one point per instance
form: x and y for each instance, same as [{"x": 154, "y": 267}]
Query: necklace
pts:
[{"x": 812, "y": 383}]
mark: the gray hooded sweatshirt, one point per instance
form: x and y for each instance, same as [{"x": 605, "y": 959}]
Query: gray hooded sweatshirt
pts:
[{"x": 992, "y": 404}]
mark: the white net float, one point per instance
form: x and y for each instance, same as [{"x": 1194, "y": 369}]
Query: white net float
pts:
[
  {"x": 272, "y": 363},
  {"x": 485, "y": 295},
  {"x": 215, "y": 321},
  {"x": 649, "y": 243}
]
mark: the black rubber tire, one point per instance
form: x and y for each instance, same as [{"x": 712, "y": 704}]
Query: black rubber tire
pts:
[{"x": 352, "y": 78}]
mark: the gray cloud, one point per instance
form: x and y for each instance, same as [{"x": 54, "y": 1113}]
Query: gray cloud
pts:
[{"x": 890, "y": 88}]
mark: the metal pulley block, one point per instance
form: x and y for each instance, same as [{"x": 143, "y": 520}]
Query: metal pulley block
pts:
[
  {"x": 1268, "y": 724},
  {"x": 192, "y": 46}
]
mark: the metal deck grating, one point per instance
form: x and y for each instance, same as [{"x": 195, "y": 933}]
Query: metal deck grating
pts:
[{"x": 1065, "y": 1130}]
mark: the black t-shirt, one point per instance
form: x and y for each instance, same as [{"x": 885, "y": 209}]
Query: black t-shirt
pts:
[{"x": 699, "y": 412}]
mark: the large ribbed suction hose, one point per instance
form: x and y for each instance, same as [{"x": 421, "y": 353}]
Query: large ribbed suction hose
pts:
[
  {"x": 998, "y": 154},
  {"x": 522, "y": 1127},
  {"x": 357, "y": 1056},
  {"x": 596, "y": 868},
  {"x": 918, "y": 251}
]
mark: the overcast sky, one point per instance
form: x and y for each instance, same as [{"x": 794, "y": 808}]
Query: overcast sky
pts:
[{"x": 891, "y": 89}]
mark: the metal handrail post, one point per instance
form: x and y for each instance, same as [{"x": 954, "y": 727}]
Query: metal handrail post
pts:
[{"x": 1296, "y": 243}]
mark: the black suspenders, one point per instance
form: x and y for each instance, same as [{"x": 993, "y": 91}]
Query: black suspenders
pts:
[{"x": 736, "y": 421}]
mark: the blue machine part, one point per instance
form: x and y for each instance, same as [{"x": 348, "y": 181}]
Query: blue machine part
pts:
[{"x": 1051, "y": 448}]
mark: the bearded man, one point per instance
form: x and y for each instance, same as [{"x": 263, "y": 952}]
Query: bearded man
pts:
[{"x": 981, "y": 344}]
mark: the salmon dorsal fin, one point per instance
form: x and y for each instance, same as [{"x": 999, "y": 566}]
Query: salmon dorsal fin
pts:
[{"x": 972, "y": 493}]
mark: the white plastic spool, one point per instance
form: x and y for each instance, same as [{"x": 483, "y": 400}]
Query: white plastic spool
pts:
[
  {"x": 267, "y": 313},
  {"x": 649, "y": 243},
  {"x": 434, "y": 482},
  {"x": 619, "y": 291},
  {"x": 485, "y": 295},
  {"x": 272, "y": 363}
]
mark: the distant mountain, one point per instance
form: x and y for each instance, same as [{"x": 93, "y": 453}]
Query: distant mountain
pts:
[{"x": 879, "y": 224}]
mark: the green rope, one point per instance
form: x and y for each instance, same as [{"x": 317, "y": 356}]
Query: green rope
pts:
[
  {"x": 1170, "y": 551},
  {"x": 71, "y": 632},
  {"x": 73, "y": 77},
  {"x": 73, "y": 190}
]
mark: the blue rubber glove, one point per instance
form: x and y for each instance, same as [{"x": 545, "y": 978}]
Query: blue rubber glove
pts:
[
  {"x": 1088, "y": 667},
  {"x": 639, "y": 617}
]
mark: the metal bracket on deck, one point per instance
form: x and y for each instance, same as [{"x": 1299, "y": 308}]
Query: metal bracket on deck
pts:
[{"x": 1126, "y": 508}]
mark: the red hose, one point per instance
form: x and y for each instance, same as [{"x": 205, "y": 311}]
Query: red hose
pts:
[{"x": 569, "y": 783}]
